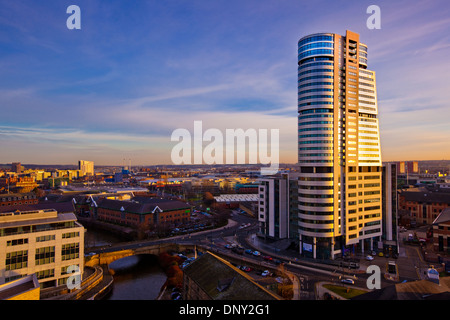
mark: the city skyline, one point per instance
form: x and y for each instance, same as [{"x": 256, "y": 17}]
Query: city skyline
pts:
[{"x": 117, "y": 88}]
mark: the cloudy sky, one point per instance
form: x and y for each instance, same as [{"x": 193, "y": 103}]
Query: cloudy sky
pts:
[{"x": 138, "y": 70}]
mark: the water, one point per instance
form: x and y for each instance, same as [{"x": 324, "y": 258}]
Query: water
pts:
[
  {"x": 137, "y": 278},
  {"x": 97, "y": 238}
]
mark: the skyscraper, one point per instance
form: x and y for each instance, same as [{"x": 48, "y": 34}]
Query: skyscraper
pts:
[
  {"x": 338, "y": 147},
  {"x": 86, "y": 167}
]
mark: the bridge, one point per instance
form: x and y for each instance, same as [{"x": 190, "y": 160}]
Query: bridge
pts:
[{"x": 105, "y": 258}]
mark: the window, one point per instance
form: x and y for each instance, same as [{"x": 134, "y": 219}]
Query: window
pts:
[
  {"x": 16, "y": 242},
  {"x": 45, "y": 255},
  {"x": 70, "y": 251},
  {"x": 16, "y": 260}
]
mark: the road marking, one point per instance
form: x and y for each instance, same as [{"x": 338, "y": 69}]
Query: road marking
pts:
[{"x": 420, "y": 256}]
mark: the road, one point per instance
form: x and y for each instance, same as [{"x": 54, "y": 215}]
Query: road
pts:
[{"x": 308, "y": 273}]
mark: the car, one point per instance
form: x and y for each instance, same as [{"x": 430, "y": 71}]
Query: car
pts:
[
  {"x": 348, "y": 281},
  {"x": 265, "y": 273},
  {"x": 369, "y": 258},
  {"x": 248, "y": 251},
  {"x": 256, "y": 253},
  {"x": 268, "y": 258},
  {"x": 246, "y": 269},
  {"x": 228, "y": 246}
]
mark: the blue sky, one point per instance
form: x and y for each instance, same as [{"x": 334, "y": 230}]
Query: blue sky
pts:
[{"x": 137, "y": 70}]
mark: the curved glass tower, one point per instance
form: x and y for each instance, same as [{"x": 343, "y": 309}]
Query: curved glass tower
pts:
[{"x": 338, "y": 147}]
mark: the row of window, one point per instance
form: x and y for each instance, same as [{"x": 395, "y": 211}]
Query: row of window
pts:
[
  {"x": 315, "y": 136},
  {"x": 314, "y": 103},
  {"x": 315, "y": 77},
  {"x": 315, "y": 52},
  {"x": 314, "y": 71},
  {"x": 315, "y": 84},
  {"x": 315, "y": 142},
  {"x": 45, "y": 255},
  {"x": 316, "y": 97},
  {"x": 314, "y": 39},
  {"x": 315, "y": 90},
  {"x": 314, "y": 122},
  {"x": 316, "y": 45},
  {"x": 315, "y": 116},
  {"x": 314, "y": 64},
  {"x": 309, "y": 111}
]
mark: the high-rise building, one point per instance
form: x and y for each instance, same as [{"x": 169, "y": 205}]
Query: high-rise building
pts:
[
  {"x": 16, "y": 167},
  {"x": 86, "y": 167},
  {"x": 340, "y": 207}
]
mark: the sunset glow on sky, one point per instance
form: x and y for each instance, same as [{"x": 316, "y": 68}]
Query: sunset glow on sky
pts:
[{"x": 137, "y": 70}]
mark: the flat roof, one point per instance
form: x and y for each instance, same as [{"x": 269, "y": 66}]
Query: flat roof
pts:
[
  {"x": 237, "y": 197},
  {"x": 60, "y": 217}
]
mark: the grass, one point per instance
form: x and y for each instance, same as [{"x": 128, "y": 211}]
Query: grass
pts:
[{"x": 344, "y": 292}]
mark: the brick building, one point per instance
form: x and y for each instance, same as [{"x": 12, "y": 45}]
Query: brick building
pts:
[
  {"x": 441, "y": 232},
  {"x": 14, "y": 199},
  {"x": 423, "y": 206},
  {"x": 141, "y": 211}
]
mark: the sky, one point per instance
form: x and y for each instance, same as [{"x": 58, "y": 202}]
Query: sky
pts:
[{"x": 138, "y": 70}]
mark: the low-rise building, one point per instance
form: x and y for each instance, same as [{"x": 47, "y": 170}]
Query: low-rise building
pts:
[
  {"x": 141, "y": 211},
  {"x": 14, "y": 199},
  {"x": 441, "y": 232},
  {"x": 423, "y": 205},
  {"x": 41, "y": 242}
]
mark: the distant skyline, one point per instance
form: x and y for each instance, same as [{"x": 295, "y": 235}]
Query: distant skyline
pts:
[{"x": 136, "y": 71}]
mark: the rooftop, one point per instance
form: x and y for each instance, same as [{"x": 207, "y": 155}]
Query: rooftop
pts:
[
  {"x": 142, "y": 205},
  {"x": 222, "y": 281}
]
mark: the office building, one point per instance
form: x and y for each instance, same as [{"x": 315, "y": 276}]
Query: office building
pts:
[
  {"x": 41, "y": 242},
  {"x": 339, "y": 191},
  {"x": 389, "y": 208},
  {"x": 278, "y": 206},
  {"x": 86, "y": 167}
]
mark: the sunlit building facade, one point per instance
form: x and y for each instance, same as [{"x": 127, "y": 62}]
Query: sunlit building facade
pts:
[
  {"x": 41, "y": 242},
  {"x": 339, "y": 195}
]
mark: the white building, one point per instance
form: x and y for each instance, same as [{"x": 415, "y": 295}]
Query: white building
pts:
[{"x": 42, "y": 242}]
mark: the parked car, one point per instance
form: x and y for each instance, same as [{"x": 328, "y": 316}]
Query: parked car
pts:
[
  {"x": 268, "y": 258},
  {"x": 348, "y": 281},
  {"x": 248, "y": 251},
  {"x": 256, "y": 253},
  {"x": 369, "y": 258}
]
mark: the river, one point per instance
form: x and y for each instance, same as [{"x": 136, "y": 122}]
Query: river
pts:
[{"x": 136, "y": 277}]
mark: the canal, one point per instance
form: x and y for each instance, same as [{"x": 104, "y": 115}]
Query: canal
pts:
[{"x": 136, "y": 277}]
